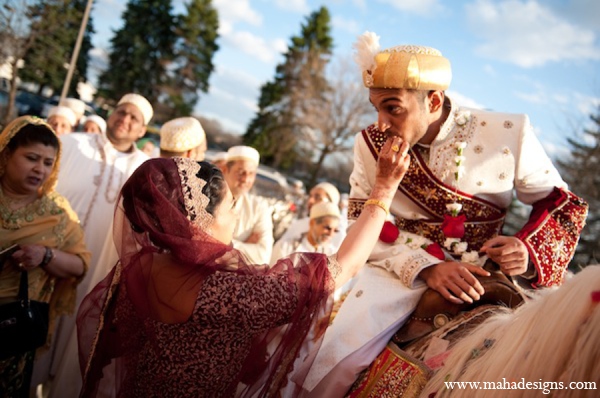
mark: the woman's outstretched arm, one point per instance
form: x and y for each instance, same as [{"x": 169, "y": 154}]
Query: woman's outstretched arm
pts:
[{"x": 392, "y": 164}]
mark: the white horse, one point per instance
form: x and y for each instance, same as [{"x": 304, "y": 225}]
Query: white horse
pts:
[{"x": 551, "y": 342}]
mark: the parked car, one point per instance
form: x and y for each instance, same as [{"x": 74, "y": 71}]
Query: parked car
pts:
[{"x": 29, "y": 103}]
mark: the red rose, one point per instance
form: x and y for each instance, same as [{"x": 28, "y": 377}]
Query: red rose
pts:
[
  {"x": 389, "y": 232},
  {"x": 454, "y": 227},
  {"x": 436, "y": 251}
]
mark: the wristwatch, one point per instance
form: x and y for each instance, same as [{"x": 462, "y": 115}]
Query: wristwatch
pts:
[{"x": 48, "y": 256}]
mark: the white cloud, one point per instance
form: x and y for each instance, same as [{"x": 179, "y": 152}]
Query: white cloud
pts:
[
  {"x": 489, "y": 69},
  {"x": 587, "y": 105},
  {"x": 560, "y": 99},
  {"x": 583, "y": 12},
  {"x": 99, "y": 54},
  {"x": 231, "y": 11},
  {"x": 255, "y": 46},
  {"x": 463, "y": 100},
  {"x": 348, "y": 25},
  {"x": 528, "y": 34},
  {"x": 556, "y": 151},
  {"x": 299, "y": 6},
  {"x": 232, "y": 98},
  {"x": 279, "y": 45},
  {"x": 361, "y": 4},
  {"x": 538, "y": 97},
  {"x": 419, "y": 7},
  {"x": 229, "y": 125}
]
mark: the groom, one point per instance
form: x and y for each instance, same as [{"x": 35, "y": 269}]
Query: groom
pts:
[{"x": 466, "y": 165}]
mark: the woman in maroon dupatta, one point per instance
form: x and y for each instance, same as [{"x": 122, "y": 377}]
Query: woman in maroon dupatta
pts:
[{"x": 183, "y": 314}]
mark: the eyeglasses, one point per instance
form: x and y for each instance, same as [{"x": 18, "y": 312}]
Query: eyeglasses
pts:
[{"x": 330, "y": 229}]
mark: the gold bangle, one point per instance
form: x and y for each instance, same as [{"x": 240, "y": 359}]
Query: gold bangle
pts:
[{"x": 378, "y": 203}]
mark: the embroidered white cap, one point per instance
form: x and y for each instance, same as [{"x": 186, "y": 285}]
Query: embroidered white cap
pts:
[
  {"x": 331, "y": 191},
  {"x": 243, "y": 152},
  {"x": 323, "y": 209},
  {"x": 181, "y": 134},
  {"x": 142, "y": 104},
  {"x": 76, "y": 105},
  {"x": 64, "y": 112},
  {"x": 95, "y": 119}
]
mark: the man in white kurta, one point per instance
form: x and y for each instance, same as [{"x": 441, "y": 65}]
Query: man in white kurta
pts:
[
  {"x": 322, "y": 192},
  {"x": 499, "y": 155},
  {"x": 93, "y": 169},
  {"x": 323, "y": 223},
  {"x": 253, "y": 234}
]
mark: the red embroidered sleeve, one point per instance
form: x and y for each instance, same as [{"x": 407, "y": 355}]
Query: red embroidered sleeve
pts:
[{"x": 552, "y": 233}]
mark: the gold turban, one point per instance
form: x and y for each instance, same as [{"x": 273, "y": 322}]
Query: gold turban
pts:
[{"x": 409, "y": 67}]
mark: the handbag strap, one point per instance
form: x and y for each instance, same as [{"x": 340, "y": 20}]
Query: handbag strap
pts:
[{"x": 24, "y": 287}]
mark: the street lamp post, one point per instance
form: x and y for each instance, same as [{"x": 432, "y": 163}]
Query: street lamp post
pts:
[{"x": 75, "y": 54}]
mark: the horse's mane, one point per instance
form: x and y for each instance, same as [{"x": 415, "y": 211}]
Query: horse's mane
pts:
[{"x": 553, "y": 338}]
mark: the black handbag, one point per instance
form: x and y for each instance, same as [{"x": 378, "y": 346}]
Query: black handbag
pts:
[{"x": 23, "y": 323}]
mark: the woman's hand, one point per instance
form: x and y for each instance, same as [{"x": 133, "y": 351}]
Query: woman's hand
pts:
[
  {"x": 61, "y": 264},
  {"x": 29, "y": 257},
  {"x": 393, "y": 163}
]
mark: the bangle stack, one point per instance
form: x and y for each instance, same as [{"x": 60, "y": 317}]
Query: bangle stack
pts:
[{"x": 379, "y": 204}]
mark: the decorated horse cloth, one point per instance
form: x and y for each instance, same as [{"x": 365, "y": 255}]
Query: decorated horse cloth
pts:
[{"x": 403, "y": 370}]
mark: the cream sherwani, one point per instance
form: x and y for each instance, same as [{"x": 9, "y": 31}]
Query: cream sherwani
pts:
[
  {"x": 254, "y": 216},
  {"x": 92, "y": 173},
  {"x": 503, "y": 155}
]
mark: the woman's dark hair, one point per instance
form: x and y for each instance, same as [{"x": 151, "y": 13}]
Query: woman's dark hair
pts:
[
  {"x": 33, "y": 134},
  {"x": 215, "y": 185},
  {"x": 154, "y": 188}
]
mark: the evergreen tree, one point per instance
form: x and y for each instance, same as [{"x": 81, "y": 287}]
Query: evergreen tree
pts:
[
  {"x": 194, "y": 50},
  {"x": 580, "y": 171},
  {"x": 45, "y": 61},
  {"x": 21, "y": 23},
  {"x": 140, "y": 51},
  {"x": 279, "y": 129}
]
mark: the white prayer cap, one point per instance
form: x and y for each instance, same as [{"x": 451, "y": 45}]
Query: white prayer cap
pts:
[
  {"x": 243, "y": 152},
  {"x": 64, "y": 112},
  {"x": 96, "y": 119},
  {"x": 323, "y": 209},
  {"x": 76, "y": 105},
  {"x": 331, "y": 191},
  {"x": 181, "y": 134},
  {"x": 142, "y": 104},
  {"x": 219, "y": 156}
]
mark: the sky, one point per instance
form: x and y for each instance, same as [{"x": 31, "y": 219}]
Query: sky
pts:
[{"x": 541, "y": 58}]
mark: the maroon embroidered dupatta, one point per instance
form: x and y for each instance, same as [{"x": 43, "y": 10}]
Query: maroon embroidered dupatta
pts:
[{"x": 156, "y": 229}]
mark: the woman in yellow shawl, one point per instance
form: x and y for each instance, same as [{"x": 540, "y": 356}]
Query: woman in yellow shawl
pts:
[{"x": 50, "y": 240}]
